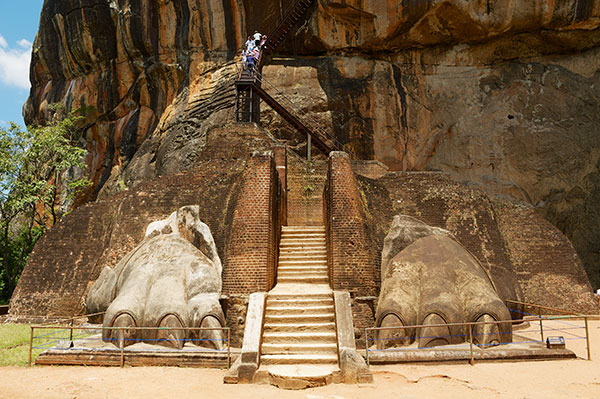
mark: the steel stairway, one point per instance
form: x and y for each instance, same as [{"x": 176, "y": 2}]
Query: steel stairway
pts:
[{"x": 275, "y": 38}]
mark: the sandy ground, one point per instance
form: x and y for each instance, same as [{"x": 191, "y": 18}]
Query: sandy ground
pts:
[{"x": 547, "y": 379}]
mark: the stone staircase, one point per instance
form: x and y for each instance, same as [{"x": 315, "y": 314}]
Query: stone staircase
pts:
[
  {"x": 302, "y": 255},
  {"x": 299, "y": 343}
]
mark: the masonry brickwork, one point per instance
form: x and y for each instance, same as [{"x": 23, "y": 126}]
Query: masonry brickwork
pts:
[
  {"x": 253, "y": 241},
  {"x": 546, "y": 264},
  {"x": 305, "y": 184},
  {"x": 352, "y": 254},
  {"x": 280, "y": 158}
]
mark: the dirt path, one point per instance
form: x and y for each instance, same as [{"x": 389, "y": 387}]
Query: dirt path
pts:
[{"x": 551, "y": 379}]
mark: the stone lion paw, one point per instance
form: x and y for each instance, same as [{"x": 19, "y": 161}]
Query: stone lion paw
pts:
[
  {"x": 169, "y": 282},
  {"x": 429, "y": 279}
]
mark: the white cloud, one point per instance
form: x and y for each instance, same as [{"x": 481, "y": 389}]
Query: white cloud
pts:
[
  {"x": 14, "y": 63},
  {"x": 24, "y": 43}
]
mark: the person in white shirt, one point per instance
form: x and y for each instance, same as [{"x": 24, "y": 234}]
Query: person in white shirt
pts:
[{"x": 257, "y": 37}]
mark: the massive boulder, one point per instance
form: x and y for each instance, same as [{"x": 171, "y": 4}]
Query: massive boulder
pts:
[
  {"x": 171, "y": 279},
  {"x": 434, "y": 281},
  {"x": 498, "y": 93}
]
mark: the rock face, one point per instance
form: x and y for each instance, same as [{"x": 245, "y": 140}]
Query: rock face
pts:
[
  {"x": 500, "y": 93},
  {"x": 433, "y": 280},
  {"x": 171, "y": 279}
]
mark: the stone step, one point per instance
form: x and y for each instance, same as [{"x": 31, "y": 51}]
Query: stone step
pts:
[
  {"x": 291, "y": 268},
  {"x": 302, "y": 237},
  {"x": 303, "y": 296},
  {"x": 299, "y": 273},
  {"x": 300, "y": 247},
  {"x": 308, "y": 270},
  {"x": 302, "y": 262},
  {"x": 299, "y": 336},
  {"x": 305, "y": 279},
  {"x": 298, "y": 302},
  {"x": 299, "y": 327},
  {"x": 296, "y": 359},
  {"x": 299, "y": 318},
  {"x": 321, "y": 256},
  {"x": 299, "y": 348},
  {"x": 302, "y": 252},
  {"x": 299, "y": 310},
  {"x": 302, "y": 228},
  {"x": 302, "y": 243},
  {"x": 298, "y": 234}
]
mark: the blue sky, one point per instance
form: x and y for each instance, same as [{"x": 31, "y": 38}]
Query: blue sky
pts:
[{"x": 19, "y": 20}]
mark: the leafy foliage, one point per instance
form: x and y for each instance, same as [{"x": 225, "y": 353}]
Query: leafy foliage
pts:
[{"x": 41, "y": 169}]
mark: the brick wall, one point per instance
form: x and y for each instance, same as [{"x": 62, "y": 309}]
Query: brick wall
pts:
[
  {"x": 280, "y": 157},
  {"x": 353, "y": 259},
  {"x": 305, "y": 184},
  {"x": 545, "y": 261},
  {"x": 253, "y": 241}
]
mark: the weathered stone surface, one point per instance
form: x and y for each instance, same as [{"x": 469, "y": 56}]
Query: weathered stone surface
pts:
[
  {"x": 171, "y": 279},
  {"x": 353, "y": 366},
  {"x": 435, "y": 281},
  {"x": 404, "y": 231}
]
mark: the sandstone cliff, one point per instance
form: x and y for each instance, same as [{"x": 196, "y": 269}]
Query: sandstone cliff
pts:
[{"x": 500, "y": 93}]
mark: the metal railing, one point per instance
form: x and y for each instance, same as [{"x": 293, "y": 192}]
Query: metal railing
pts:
[
  {"x": 88, "y": 339},
  {"x": 565, "y": 325}
]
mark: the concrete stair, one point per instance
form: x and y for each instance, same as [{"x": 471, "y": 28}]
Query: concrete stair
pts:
[{"x": 299, "y": 325}]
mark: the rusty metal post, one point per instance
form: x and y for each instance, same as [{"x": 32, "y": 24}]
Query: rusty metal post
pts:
[
  {"x": 541, "y": 326},
  {"x": 587, "y": 339},
  {"x": 71, "y": 334},
  {"x": 472, "y": 361},
  {"x": 308, "y": 147},
  {"x": 30, "y": 344},
  {"x": 367, "y": 345},
  {"x": 122, "y": 347},
  {"x": 228, "y": 348}
]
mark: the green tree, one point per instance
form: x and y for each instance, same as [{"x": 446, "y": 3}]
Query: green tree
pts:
[{"x": 40, "y": 171}]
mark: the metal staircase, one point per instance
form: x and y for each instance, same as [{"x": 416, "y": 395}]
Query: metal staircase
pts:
[{"x": 295, "y": 12}]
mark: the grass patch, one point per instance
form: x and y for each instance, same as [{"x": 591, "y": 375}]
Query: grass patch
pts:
[{"x": 14, "y": 343}]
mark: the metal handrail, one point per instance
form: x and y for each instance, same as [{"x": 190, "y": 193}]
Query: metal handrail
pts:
[{"x": 284, "y": 22}]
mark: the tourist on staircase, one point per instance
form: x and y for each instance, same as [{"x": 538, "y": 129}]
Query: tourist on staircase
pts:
[
  {"x": 257, "y": 38},
  {"x": 251, "y": 53}
]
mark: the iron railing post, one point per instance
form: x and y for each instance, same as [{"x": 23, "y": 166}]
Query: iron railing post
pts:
[
  {"x": 30, "y": 344},
  {"x": 228, "y": 348},
  {"x": 71, "y": 333},
  {"x": 122, "y": 347},
  {"x": 472, "y": 361},
  {"x": 367, "y": 346},
  {"x": 541, "y": 326},
  {"x": 587, "y": 339}
]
